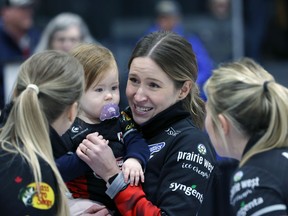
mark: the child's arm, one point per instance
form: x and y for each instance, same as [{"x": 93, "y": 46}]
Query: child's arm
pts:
[
  {"x": 71, "y": 166},
  {"x": 132, "y": 171},
  {"x": 137, "y": 151}
]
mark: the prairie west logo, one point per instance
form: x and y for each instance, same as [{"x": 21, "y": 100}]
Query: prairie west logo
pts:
[{"x": 43, "y": 200}]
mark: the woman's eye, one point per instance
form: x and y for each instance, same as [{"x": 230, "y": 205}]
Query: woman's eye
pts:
[
  {"x": 133, "y": 80},
  {"x": 154, "y": 85}
]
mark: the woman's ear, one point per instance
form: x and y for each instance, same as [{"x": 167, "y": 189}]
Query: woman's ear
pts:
[
  {"x": 72, "y": 112},
  {"x": 185, "y": 89},
  {"x": 224, "y": 123}
]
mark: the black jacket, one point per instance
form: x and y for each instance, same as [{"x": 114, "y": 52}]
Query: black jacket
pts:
[
  {"x": 182, "y": 164},
  {"x": 260, "y": 186}
]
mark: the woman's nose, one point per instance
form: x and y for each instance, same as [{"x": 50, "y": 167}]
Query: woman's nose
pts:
[{"x": 140, "y": 95}]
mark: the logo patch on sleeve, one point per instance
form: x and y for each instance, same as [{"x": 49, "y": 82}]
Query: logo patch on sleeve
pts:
[
  {"x": 156, "y": 147},
  {"x": 43, "y": 200}
]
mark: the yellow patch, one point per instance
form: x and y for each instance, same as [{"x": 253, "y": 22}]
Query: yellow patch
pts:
[{"x": 43, "y": 200}]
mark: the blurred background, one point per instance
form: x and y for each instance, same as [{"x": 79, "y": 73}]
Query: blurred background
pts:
[{"x": 228, "y": 28}]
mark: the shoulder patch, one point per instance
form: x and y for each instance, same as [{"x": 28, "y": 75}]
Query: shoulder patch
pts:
[
  {"x": 238, "y": 176},
  {"x": 75, "y": 129},
  {"x": 30, "y": 197},
  {"x": 202, "y": 149},
  {"x": 172, "y": 132},
  {"x": 156, "y": 147}
]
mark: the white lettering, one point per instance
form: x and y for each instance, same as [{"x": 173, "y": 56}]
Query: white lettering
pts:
[
  {"x": 241, "y": 196},
  {"x": 187, "y": 190},
  {"x": 208, "y": 165},
  {"x": 255, "y": 202},
  {"x": 250, "y": 183},
  {"x": 235, "y": 188},
  {"x": 190, "y": 156}
]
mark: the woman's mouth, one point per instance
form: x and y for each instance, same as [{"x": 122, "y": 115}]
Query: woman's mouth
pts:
[{"x": 141, "y": 109}]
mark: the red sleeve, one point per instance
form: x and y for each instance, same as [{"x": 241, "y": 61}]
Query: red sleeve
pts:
[{"x": 132, "y": 201}]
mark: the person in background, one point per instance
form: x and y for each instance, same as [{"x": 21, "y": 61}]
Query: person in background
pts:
[
  {"x": 48, "y": 88},
  {"x": 219, "y": 9},
  {"x": 99, "y": 112},
  {"x": 168, "y": 17},
  {"x": 18, "y": 39},
  {"x": 247, "y": 119},
  {"x": 63, "y": 32},
  {"x": 165, "y": 103}
]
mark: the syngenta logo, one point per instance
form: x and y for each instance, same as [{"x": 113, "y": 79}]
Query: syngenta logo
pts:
[
  {"x": 188, "y": 190},
  {"x": 245, "y": 207}
]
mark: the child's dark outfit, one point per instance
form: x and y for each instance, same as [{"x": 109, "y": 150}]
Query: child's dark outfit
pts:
[{"x": 90, "y": 186}]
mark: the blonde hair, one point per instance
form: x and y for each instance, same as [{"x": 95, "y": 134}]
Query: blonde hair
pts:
[
  {"x": 250, "y": 98},
  {"x": 59, "y": 78},
  {"x": 96, "y": 60}
]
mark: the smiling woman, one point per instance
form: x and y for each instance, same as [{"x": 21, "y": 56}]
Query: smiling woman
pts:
[
  {"x": 165, "y": 103},
  {"x": 150, "y": 90}
]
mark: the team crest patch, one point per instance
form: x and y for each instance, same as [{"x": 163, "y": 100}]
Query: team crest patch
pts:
[
  {"x": 156, "y": 147},
  {"x": 238, "y": 176},
  {"x": 202, "y": 149},
  {"x": 75, "y": 129},
  {"x": 172, "y": 132},
  {"x": 43, "y": 200}
]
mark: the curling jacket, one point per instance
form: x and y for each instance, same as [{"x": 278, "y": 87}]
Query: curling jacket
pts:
[
  {"x": 18, "y": 194},
  {"x": 180, "y": 170},
  {"x": 259, "y": 187}
]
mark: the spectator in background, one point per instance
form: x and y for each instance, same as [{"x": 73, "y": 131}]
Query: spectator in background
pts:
[
  {"x": 18, "y": 38},
  {"x": 219, "y": 9},
  {"x": 63, "y": 32},
  {"x": 168, "y": 17}
]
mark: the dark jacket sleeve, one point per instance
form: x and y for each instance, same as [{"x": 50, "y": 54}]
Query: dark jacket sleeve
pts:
[
  {"x": 18, "y": 189},
  {"x": 136, "y": 147},
  {"x": 71, "y": 166},
  {"x": 263, "y": 183}
]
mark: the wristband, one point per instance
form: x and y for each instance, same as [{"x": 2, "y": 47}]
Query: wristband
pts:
[
  {"x": 118, "y": 184},
  {"x": 111, "y": 179}
]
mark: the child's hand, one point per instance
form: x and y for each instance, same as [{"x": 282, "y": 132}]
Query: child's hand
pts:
[{"x": 132, "y": 169}]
